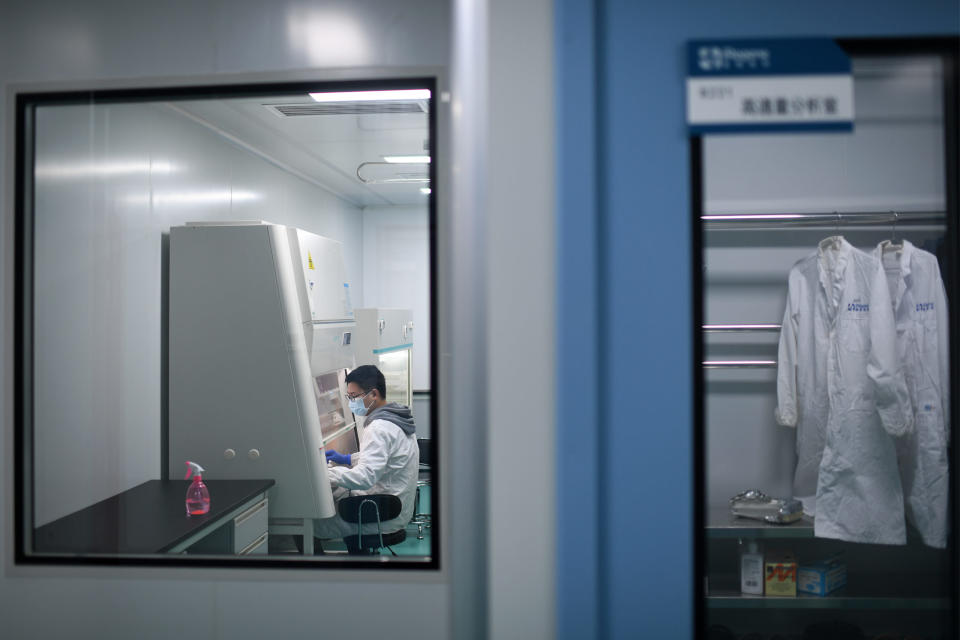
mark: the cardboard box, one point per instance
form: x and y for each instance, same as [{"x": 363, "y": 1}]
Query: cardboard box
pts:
[
  {"x": 821, "y": 578},
  {"x": 780, "y": 573}
]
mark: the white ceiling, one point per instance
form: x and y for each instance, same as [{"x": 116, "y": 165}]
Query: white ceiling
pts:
[{"x": 326, "y": 149}]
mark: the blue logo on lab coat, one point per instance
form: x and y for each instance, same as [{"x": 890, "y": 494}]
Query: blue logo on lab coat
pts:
[
  {"x": 924, "y": 306},
  {"x": 858, "y": 306}
]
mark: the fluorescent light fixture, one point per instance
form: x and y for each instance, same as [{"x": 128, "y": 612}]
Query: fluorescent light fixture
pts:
[
  {"x": 372, "y": 96},
  {"x": 425, "y": 190},
  {"x": 408, "y": 159}
]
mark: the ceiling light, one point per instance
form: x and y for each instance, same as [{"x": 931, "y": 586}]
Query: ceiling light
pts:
[
  {"x": 408, "y": 159},
  {"x": 425, "y": 190},
  {"x": 372, "y": 96}
]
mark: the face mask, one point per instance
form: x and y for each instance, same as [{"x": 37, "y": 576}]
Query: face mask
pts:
[{"x": 357, "y": 406}]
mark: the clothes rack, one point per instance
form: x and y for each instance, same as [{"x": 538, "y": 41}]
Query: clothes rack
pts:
[
  {"x": 739, "y": 328},
  {"x": 835, "y": 219},
  {"x": 739, "y": 364},
  {"x": 765, "y": 220}
]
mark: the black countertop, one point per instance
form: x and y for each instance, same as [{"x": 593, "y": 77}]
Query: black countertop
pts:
[{"x": 149, "y": 518}]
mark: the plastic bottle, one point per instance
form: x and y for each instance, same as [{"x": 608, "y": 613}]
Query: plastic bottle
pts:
[
  {"x": 198, "y": 498},
  {"x": 751, "y": 569}
]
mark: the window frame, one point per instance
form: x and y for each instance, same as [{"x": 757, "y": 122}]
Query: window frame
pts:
[
  {"x": 26, "y": 103},
  {"x": 947, "y": 48}
]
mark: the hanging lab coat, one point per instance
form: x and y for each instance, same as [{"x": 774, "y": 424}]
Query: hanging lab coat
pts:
[
  {"x": 920, "y": 309},
  {"x": 838, "y": 384}
]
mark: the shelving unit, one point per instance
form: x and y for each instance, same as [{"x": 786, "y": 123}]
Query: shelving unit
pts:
[
  {"x": 722, "y": 524},
  {"x": 863, "y": 592},
  {"x": 873, "y": 590},
  {"x": 841, "y": 599}
]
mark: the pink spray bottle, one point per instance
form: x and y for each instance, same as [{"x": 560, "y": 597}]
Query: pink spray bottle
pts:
[{"x": 198, "y": 498}]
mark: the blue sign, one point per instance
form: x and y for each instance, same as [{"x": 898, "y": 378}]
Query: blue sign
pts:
[
  {"x": 786, "y": 56},
  {"x": 792, "y": 84}
]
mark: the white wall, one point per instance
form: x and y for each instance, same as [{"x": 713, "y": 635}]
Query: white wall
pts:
[
  {"x": 396, "y": 273},
  {"x": 500, "y": 54},
  {"x": 893, "y": 161},
  {"x": 111, "y": 181},
  {"x": 521, "y": 232},
  {"x": 90, "y": 44}
]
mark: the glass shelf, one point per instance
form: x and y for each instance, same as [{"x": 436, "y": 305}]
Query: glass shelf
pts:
[
  {"x": 841, "y": 599},
  {"x": 722, "y": 524}
]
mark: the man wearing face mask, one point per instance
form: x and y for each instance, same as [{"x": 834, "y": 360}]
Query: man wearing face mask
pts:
[{"x": 388, "y": 460}]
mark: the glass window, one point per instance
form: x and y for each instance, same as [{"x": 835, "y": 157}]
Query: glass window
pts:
[
  {"x": 199, "y": 279},
  {"x": 396, "y": 369},
  {"x": 825, "y": 384}
]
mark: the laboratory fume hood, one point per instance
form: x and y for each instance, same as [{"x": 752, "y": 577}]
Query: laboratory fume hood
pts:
[{"x": 261, "y": 327}]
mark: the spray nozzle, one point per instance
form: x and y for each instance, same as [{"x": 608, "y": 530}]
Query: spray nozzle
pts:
[{"x": 193, "y": 469}]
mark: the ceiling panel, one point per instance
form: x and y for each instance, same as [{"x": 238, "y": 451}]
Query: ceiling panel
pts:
[{"x": 326, "y": 149}]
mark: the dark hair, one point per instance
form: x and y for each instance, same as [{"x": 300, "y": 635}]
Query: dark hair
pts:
[{"x": 368, "y": 377}]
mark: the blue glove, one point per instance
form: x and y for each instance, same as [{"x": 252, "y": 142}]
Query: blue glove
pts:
[{"x": 338, "y": 458}]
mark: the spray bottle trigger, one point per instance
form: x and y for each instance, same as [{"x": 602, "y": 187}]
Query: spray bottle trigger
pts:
[{"x": 192, "y": 468}]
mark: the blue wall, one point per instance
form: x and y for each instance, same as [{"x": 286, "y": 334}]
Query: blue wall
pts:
[{"x": 625, "y": 488}]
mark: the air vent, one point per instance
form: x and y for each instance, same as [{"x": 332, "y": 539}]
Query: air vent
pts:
[{"x": 347, "y": 108}]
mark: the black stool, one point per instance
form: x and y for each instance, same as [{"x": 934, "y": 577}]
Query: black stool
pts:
[{"x": 378, "y": 508}]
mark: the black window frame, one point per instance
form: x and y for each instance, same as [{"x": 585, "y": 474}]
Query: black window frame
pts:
[
  {"x": 24, "y": 215},
  {"x": 947, "y": 48}
]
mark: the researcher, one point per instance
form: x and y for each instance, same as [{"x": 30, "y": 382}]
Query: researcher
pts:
[{"x": 388, "y": 460}]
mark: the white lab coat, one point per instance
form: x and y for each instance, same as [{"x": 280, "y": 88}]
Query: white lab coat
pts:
[
  {"x": 838, "y": 384},
  {"x": 920, "y": 308},
  {"x": 388, "y": 462}
]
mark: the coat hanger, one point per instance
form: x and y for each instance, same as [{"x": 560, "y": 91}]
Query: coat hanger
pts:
[
  {"x": 837, "y": 237},
  {"x": 893, "y": 245}
]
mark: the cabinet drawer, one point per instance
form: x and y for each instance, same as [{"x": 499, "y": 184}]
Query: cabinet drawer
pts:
[
  {"x": 249, "y": 526},
  {"x": 257, "y": 547}
]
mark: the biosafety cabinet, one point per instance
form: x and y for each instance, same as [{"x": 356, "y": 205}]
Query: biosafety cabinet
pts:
[
  {"x": 384, "y": 338},
  {"x": 260, "y": 338}
]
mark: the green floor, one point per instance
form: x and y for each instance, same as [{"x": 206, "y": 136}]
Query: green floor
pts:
[{"x": 412, "y": 546}]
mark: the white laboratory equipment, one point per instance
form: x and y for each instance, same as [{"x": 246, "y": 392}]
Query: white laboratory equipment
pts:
[
  {"x": 384, "y": 337},
  {"x": 260, "y": 339}
]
